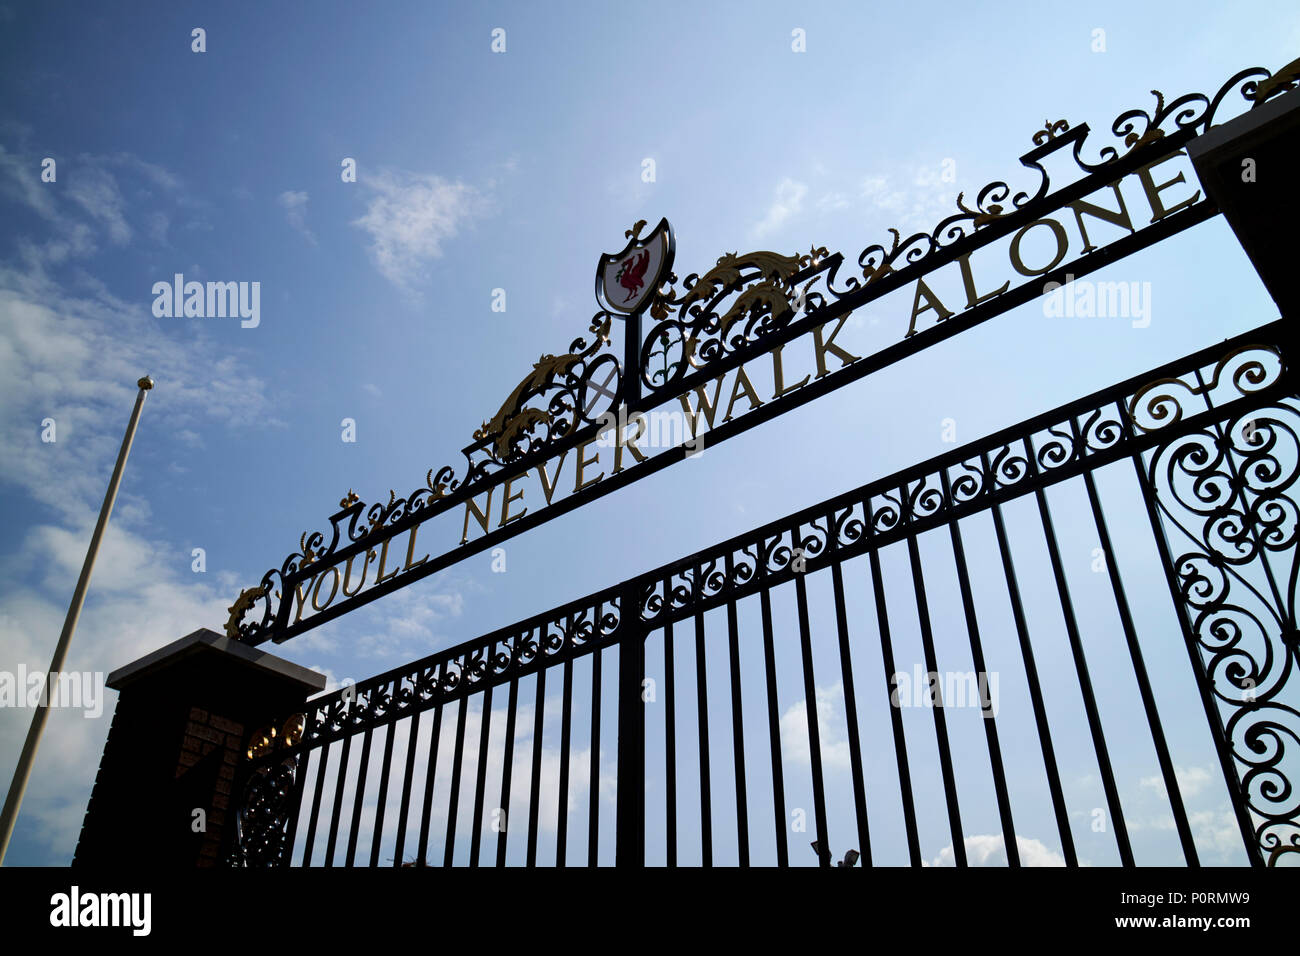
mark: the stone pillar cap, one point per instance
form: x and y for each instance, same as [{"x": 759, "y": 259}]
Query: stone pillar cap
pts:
[{"x": 203, "y": 642}]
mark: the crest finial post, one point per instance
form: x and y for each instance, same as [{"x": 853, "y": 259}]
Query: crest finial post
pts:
[{"x": 635, "y": 231}]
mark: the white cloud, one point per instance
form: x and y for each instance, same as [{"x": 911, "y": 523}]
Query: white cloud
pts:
[
  {"x": 71, "y": 351},
  {"x": 910, "y": 203},
  {"x": 409, "y": 218},
  {"x": 1192, "y": 781},
  {"x": 20, "y": 179},
  {"x": 295, "y": 206},
  {"x": 990, "y": 850},
  {"x": 406, "y": 624},
  {"x": 787, "y": 203},
  {"x": 832, "y": 730}
]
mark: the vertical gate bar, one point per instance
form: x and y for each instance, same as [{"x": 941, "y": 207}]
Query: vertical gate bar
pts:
[
  {"x": 593, "y": 775},
  {"x": 340, "y": 779},
  {"x": 937, "y": 710},
  {"x": 507, "y": 766},
  {"x": 851, "y": 715},
  {"x": 810, "y": 709},
  {"x": 737, "y": 729},
  {"x": 981, "y": 672},
  {"x": 1227, "y": 763},
  {"x": 535, "y": 783},
  {"x": 412, "y": 739},
  {"x": 702, "y": 701},
  {"x": 389, "y": 733},
  {"x": 434, "y": 741},
  {"x": 1031, "y": 677},
  {"x": 354, "y": 825},
  {"x": 315, "y": 803},
  {"x": 1143, "y": 682},
  {"x": 895, "y": 713},
  {"x": 562, "y": 801},
  {"x": 457, "y": 760},
  {"x": 1085, "y": 682},
  {"x": 480, "y": 778},
  {"x": 774, "y": 730},
  {"x": 629, "y": 847},
  {"x": 299, "y": 784},
  {"x": 670, "y": 743}
]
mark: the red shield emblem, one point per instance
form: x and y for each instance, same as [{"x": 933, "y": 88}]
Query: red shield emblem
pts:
[{"x": 626, "y": 281}]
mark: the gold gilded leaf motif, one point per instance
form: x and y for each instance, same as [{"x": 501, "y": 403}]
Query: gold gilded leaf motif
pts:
[
  {"x": 512, "y": 419},
  {"x": 774, "y": 292},
  {"x": 1279, "y": 81},
  {"x": 981, "y": 218},
  {"x": 814, "y": 256},
  {"x": 242, "y": 605},
  {"x": 261, "y": 743},
  {"x": 882, "y": 270},
  {"x": 1153, "y": 132},
  {"x": 1050, "y": 131},
  {"x": 293, "y": 730}
]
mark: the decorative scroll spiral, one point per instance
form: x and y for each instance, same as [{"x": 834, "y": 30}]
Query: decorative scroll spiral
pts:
[{"x": 1230, "y": 490}]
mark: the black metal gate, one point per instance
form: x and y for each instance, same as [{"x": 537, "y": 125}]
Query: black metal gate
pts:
[{"x": 1056, "y": 562}]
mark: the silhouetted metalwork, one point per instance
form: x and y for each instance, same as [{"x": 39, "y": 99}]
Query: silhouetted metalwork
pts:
[
  {"x": 745, "y": 306},
  {"x": 1213, "y": 441}
]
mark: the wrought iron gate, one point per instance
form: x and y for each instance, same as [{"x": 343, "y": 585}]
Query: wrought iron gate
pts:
[{"x": 1183, "y": 477}]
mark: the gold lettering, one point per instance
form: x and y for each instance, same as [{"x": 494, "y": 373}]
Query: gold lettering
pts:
[
  {"x": 549, "y": 483},
  {"x": 506, "y": 517},
  {"x": 778, "y": 375},
  {"x": 1062, "y": 246},
  {"x": 748, "y": 389},
  {"x": 1153, "y": 191},
  {"x": 410, "y": 550},
  {"x": 383, "y": 558},
  {"x": 641, "y": 427},
  {"x": 1082, "y": 207},
  {"x": 709, "y": 409},
  {"x": 347, "y": 574},
  {"x": 968, "y": 280},
  {"x": 931, "y": 302},
  {"x": 578, "y": 483},
  {"x": 302, "y": 597},
  {"x": 829, "y": 345},
  {"x": 482, "y": 517},
  {"x": 334, "y": 588}
]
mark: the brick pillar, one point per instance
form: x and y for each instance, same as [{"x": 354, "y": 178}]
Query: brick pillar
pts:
[{"x": 183, "y": 717}]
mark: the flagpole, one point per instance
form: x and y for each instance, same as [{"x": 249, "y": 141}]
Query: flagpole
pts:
[{"x": 25, "y": 761}]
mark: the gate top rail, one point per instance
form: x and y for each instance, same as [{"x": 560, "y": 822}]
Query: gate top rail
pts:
[{"x": 1115, "y": 422}]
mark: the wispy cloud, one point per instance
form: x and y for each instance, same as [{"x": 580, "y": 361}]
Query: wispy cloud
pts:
[
  {"x": 71, "y": 351},
  {"x": 411, "y": 216},
  {"x": 786, "y": 203},
  {"x": 989, "y": 849},
  {"x": 910, "y": 200},
  {"x": 295, "y": 206}
]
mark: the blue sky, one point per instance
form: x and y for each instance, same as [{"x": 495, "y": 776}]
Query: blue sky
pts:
[{"x": 515, "y": 170}]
